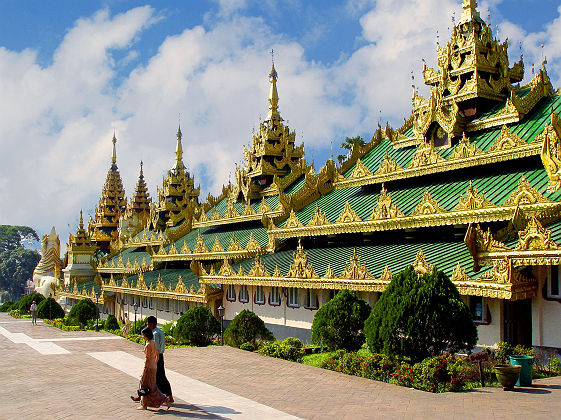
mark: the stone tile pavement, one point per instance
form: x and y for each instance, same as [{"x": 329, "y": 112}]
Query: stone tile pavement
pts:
[{"x": 77, "y": 385}]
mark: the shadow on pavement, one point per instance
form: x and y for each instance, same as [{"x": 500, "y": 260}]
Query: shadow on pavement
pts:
[{"x": 191, "y": 411}]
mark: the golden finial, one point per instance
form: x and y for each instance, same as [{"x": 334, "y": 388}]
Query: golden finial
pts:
[
  {"x": 114, "y": 158},
  {"x": 141, "y": 172},
  {"x": 81, "y": 220},
  {"x": 470, "y": 13},
  {"x": 273, "y": 94},
  {"x": 179, "y": 150}
]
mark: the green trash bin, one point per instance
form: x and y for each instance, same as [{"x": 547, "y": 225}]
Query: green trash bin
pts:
[{"x": 526, "y": 362}]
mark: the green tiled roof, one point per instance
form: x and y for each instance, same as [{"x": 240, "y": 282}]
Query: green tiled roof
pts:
[
  {"x": 295, "y": 186},
  {"x": 132, "y": 254},
  {"x": 532, "y": 125},
  {"x": 496, "y": 186},
  {"x": 396, "y": 256},
  {"x": 224, "y": 233}
]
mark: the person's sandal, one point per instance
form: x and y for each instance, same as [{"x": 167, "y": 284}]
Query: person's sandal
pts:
[{"x": 135, "y": 399}]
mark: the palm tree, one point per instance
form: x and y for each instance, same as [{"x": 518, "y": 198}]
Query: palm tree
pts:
[{"x": 348, "y": 144}]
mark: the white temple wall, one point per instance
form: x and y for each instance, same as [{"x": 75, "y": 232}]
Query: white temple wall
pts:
[{"x": 490, "y": 334}]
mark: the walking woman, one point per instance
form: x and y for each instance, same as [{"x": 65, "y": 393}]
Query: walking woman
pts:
[{"x": 151, "y": 395}]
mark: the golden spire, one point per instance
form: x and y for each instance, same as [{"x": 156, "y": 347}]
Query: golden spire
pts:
[
  {"x": 81, "y": 221},
  {"x": 179, "y": 150},
  {"x": 114, "y": 158},
  {"x": 273, "y": 95},
  {"x": 470, "y": 14}
]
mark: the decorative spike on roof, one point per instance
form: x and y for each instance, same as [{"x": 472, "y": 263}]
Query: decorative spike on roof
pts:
[
  {"x": 271, "y": 154},
  {"x": 112, "y": 204},
  {"x": 140, "y": 203},
  {"x": 178, "y": 190}
]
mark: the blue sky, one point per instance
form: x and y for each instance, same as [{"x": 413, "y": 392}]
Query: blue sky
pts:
[{"x": 72, "y": 72}]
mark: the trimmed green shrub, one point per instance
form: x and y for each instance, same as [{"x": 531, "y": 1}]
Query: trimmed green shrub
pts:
[
  {"x": 378, "y": 367},
  {"x": 6, "y": 306},
  {"x": 138, "y": 326},
  {"x": 339, "y": 323},
  {"x": 246, "y": 327},
  {"x": 282, "y": 350},
  {"x": 293, "y": 341},
  {"x": 25, "y": 302},
  {"x": 14, "y": 313},
  {"x": 441, "y": 374},
  {"x": 505, "y": 350},
  {"x": 50, "y": 309},
  {"x": 420, "y": 316},
  {"x": 197, "y": 326},
  {"x": 249, "y": 347},
  {"x": 83, "y": 311},
  {"x": 168, "y": 327},
  {"x": 111, "y": 323},
  {"x": 404, "y": 375}
]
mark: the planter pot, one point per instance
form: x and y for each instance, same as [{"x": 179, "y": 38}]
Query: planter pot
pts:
[{"x": 507, "y": 375}]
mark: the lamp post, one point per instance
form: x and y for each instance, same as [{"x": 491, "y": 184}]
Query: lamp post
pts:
[
  {"x": 135, "y": 310},
  {"x": 221, "y": 315},
  {"x": 50, "y": 306},
  {"x": 97, "y": 295}
]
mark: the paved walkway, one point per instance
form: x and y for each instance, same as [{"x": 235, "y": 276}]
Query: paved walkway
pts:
[{"x": 55, "y": 374}]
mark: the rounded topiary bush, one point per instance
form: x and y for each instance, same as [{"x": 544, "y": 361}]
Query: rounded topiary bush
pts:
[
  {"x": 420, "y": 316},
  {"x": 25, "y": 302},
  {"x": 7, "y": 306},
  {"x": 111, "y": 323},
  {"x": 339, "y": 323},
  {"x": 246, "y": 327},
  {"x": 83, "y": 311},
  {"x": 197, "y": 326},
  {"x": 50, "y": 309}
]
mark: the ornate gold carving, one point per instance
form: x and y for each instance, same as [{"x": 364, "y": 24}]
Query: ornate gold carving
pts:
[
  {"x": 217, "y": 246},
  {"x": 525, "y": 194},
  {"x": 252, "y": 244},
  {"x": 388, "y": 165},
  {"x": 506, "y": 141},
  {"x": 459, "y": 275},
  {"x": 329, "y": 274},
  {"x": 348, "y": 215},
  {"x": 472, "y": 200},
  {"x": 140, "y": 282},
  {"x": 426, "y": 155},
  {"x": 421, "y": 266},
  {"x": 231, "y": 211},
  {"x": 300, "y": 268},
  {"x": 535, "y": 237},
  {"x": 355, "y": 270},
  {"x": 360, "y": 171},
  {"x": 384, "y": 208},
  {"x": 200, "y": 246},
  {"x": 465, "y": 149},
  {"x": 258, "y": 269},
  {"x": 386, "y": 275},
  {"x": 234, "y": 245},
  {"x": 185, "y": 249},
  {"x": 292, "y": 221},
  {"x": 500, "y": 272},
  {"x": 160, "y": 287},
  {"x": 319, "y": 218},
  {"x": 180, "y": 287},
  {"x": 277, "y": 273},
  {"x": 248, "y": 210},
  {"x": 427, "y": 206}
]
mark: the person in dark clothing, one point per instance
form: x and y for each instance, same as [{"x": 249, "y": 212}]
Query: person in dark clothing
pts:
[{"x": 160, "y": 339}]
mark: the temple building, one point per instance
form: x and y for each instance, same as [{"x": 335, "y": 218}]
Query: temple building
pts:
[{"x": 470, "y": 185}]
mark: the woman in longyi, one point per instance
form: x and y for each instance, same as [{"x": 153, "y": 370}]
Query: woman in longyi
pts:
[{"x": 150, "y": 395}]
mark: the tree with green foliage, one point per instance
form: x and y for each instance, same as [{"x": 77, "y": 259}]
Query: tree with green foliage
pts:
[
  {"x": 16, "y": 262},
  {"x": 339, "y": 323},
  {"x": 348, "y": 145},
  {"x": 246, "y": 327},
  {"x": 420, "y": 316},
  {"x": 49, "y": 309},
  {"x": 197, "y": 326},
  {"x": 83, "y": 311},
  {"x": 7, "y": 306},
  {"x": 25, "y": 302},
  {"x": 13, "y": 237},
  {"x": 16, "y": 268},
  {"x": 111, "y": 323}
]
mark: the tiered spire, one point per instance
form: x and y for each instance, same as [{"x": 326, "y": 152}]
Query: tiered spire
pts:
[
  {"x": 140, "y": 202},
  {"x": 103, "y": 228},
  {"x": 272, "y": 152},
  {"x": 473, "y": 74},
  {"x": 81, "y": 240},
  {"x": 178, "y": 189}
]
